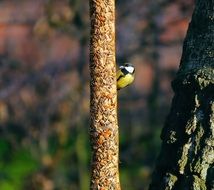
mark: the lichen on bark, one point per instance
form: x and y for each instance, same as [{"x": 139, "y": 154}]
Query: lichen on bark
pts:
[{"x": 187, "y": 151}]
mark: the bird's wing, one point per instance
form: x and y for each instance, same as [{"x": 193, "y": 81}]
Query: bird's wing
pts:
[{"x": 120, "y": 74}]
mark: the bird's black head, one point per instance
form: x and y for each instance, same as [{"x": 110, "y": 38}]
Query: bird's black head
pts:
[{"x": 129, "y": 67}]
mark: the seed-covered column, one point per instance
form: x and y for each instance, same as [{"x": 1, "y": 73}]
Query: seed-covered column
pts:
[{"x": 103, "y": 105}]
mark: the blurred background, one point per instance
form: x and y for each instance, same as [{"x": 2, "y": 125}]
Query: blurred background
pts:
[{"x": 44, "y": 89}]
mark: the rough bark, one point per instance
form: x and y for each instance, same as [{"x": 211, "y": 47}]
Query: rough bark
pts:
[
  {"x": 104, "y": 126},
  {"x": 186, "y": 160}
]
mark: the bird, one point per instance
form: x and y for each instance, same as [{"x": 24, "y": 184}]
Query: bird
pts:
[{"x": 125, "y": 75}]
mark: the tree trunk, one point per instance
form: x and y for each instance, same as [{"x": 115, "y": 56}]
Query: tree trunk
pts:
[
  {"x": 186, "y": 160},
  {"x": 103, "y": 107}
]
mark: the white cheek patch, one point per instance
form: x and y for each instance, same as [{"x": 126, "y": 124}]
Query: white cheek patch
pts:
[{"x": 130, "y": 69}]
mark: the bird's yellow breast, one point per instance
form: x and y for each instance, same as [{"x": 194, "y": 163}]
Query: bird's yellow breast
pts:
[{"x": 123, "y": 80}]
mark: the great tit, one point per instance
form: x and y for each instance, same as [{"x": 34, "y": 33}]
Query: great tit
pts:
[{"x": 125, "y": 75}]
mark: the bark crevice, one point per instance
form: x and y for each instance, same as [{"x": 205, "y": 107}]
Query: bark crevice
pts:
[{"x": 187, "y": 154}]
